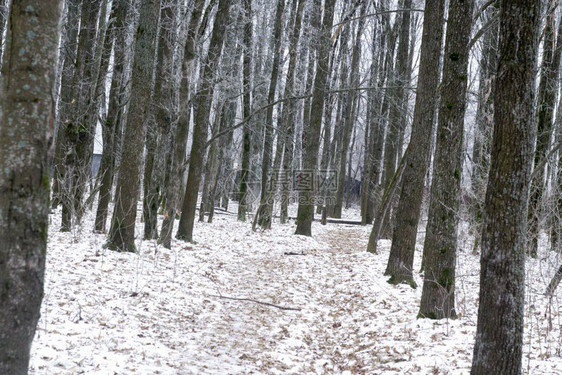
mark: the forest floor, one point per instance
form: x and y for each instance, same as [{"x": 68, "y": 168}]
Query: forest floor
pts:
[{"x": 238, "y": 302}]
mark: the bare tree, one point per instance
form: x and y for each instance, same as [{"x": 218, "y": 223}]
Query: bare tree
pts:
[
  {"x": 440, "y": 247},
  {"x": 311, "y": 132},
  {"x": 121, "y": 235},
  {"x": 499, "y": 331},
  {"x": 28, "y": 79},
  {"x": 179, "y": 144},
  {"x": 200, "y": 130},
  {"x": 401, "y": 259},
  {"x": 113, "y": 124}
]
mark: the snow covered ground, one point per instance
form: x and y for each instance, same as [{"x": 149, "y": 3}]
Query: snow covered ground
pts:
[{"x": 192, "y": 309}]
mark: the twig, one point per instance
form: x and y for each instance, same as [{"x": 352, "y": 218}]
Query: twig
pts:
[{"x": 256, "y": 301}]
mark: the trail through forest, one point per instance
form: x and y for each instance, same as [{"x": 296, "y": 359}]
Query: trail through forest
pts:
[{"x": 244, "y": 302}]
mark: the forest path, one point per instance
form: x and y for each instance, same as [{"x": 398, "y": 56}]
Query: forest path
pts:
[{"x": 164, "y": 311}]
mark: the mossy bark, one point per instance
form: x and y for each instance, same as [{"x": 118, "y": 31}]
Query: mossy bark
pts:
[
  {"x": 499, "y": 330},
  {"x": 401, "y": 259},
  {"x": 440, "y": 246}
]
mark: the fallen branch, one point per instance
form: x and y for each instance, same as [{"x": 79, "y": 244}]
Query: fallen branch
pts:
[{"x": 256, "y": 301}]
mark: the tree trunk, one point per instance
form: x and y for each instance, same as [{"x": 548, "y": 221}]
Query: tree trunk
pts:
[
  {"x": 182, "y": 128},
  {"x": 200, "y": 130},
  {"x": 375, "y": 143},
  {"x": 112, "y": 125},
  {"x": 28, "y": 79},
  {"x": 265, "y": 211},
  {"x": 289, "y": 112},
  {"x": 548, "y": 87},
  {"x": 349, "y": 113},
  {"x": 311, "y": 132},
  {"x": 69, "y": 43},
  {"x": 398, "y": 101},
  {"x": 122, "y": 232},
  {"x": 79, "y": 129},
  {"x": 440, "y": 247},
  {"x": 244, "y": 198},
  {"x": 499, "y": 331},
  {"x": 401, "y": 259},
  {"x": 163, "y": 113},
  {"x": 484, "y": 125}
]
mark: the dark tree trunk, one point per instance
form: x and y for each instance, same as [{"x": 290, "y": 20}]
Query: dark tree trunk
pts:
[
  {"x": 401, "y": 259},
  {"x": 200, "y": 130},
  {"x": 289, "y": 112},
  {"x": 382, "y": 124},
  {"x": 163, "y": 113},
  {"x": 349, "y": 113},
  {"x": 122, "y": 232},
  {"x": 182, "y": 129},
  {"x": 499, "y": 331},
  {"x": 398, "y": 99},
  {"x": 79, "y": 129},
  {"x": 375, "y": 142},
  {"x": 69, "y": 44},
  {"x": 440, "y": 247},
  {"x": 548, "y": 87},
  {"x": 112, "y": 125},
  {"x": 311, "y": 132},
  {"x": 484, "y": 124},
  {"x": 265, "y": 210},
  {"x": 28, "y": 80},
  {"x": 243, "y": 198}
]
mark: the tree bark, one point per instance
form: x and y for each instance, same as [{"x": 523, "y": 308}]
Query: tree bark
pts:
[
  {"x": 200, "y": 130},
  {"x": 69, "y": 43},
  {"x": 28, "y": 79},
  {"x": 79, "y": 129},
  {"x": 111, "y": 127},
  {"x": 243, "y": 198},
  {"x": 122, "y": 232},
  {"x": 484, "y": 124},
  {"x": 163, "y": 113},
  {"x": 499, "y": 331},
  {"x": 182, "y": 128},
  {"x": 311, "y": 132},
  {"x": 265, "y": 209},
  {"x": 401, "y": 259},
  {"x": 440, "y": 247}
]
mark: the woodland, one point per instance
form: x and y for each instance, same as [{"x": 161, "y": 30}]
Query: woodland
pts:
[{"x": 280, "y": 186}]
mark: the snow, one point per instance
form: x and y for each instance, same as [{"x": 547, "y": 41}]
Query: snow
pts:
[{"x": 164, "y": 311}]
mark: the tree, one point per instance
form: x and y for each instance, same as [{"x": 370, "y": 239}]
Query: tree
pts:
[
  {"x": 265, "y": 210},
  {"x": 201, "y": 125},
  {"x": 401, "y": 259},
  {"x": 68, "y": 64},
  {"x": 179, "y": 144},
  {"x": 398, "y": 99},
  {"x": 546, "y": 101},
  {"x": 243, "y": 199},
  {"x": 28, "y": 79},
  {"x": 113, "y": 124},
  {"x": 288, "y": 114},
  {"x": 121, "y": 235},
  {"x": 440, "y": 247},
  {"x": 483, "y": 121},
  {"x": 499, "y": 331},
  {"x": 349, "y": 112},
  {"x": 158, "y": 133},
  {"x": 79, "y": 124},
  {"x": 311, "y": 132}
]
